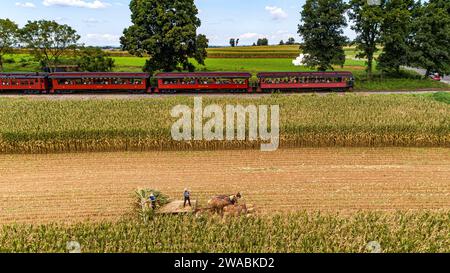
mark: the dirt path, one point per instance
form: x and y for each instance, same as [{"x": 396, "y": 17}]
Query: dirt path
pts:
[{"x": 75, "y": 187}]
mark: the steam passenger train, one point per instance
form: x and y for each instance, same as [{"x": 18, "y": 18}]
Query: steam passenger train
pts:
[{"x": 195, "y": 82}]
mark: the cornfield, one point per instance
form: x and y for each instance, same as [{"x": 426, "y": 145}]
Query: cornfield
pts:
[
  {"x": 43, "y": 126},
  {"x": 299, "y": 232}
]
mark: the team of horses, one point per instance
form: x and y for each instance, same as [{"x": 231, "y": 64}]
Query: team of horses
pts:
[{"x": 227, "y": 204}]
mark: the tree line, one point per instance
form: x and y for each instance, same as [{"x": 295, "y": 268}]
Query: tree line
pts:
[
  {"x": 409, "y": 32},
  {"x": 50, "y": 44}
]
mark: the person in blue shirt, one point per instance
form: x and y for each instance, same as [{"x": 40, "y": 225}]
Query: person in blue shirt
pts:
[
  {"x": 152, "y": 199},
  {"x": 187, "y": 198}
]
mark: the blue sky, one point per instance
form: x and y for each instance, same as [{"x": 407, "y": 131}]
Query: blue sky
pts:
[{"x": 101, "y": 22}]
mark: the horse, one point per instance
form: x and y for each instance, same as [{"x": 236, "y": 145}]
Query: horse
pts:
[
  {"x": 217, "y": 203},
  {"x": 235, "y": 210}
]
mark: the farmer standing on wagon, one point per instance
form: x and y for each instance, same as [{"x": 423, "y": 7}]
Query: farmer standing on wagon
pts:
[{"x": 187, "y": 198}]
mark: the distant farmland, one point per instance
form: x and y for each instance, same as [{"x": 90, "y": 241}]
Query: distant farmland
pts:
[{"x": 256, "y": 59}]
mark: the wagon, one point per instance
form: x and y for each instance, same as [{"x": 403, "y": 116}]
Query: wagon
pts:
[
  {"x": 23, "y": 82},
  {"x": 203, "y": 82},
  {"x": 305, "y": 81},
  {"x": 176, "y": 207},
  {"x": 99, "y": 82}
]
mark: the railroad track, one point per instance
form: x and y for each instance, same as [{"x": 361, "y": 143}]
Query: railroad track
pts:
[{"x": 86, "y": 96}]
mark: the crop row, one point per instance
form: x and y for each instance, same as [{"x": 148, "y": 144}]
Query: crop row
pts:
[
  {"x": 36, "y": 126},
  {"x": 299, "y": 232}
]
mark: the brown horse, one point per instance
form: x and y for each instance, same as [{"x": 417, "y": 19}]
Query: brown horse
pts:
[
  {"x": 235, "y": 210},
  {"x": 217, "y": 203}
]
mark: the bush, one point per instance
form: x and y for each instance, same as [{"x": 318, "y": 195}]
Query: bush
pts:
[
  {"x": 94, "y": 60},
  {"x": 9, "y": 61}
]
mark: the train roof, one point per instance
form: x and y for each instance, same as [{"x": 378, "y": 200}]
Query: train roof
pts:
[
  {"x": 24, "y": 75},
  {"x": 93, "y": 75},
  {"x": 304, "y": 74},
  {"x": 172, "y": 75}
]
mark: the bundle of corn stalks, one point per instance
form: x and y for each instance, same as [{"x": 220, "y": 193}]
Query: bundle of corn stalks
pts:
[{"x": 142, "y": 205}]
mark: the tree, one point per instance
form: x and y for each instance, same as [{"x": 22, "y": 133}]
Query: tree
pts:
[
  {"x": 367, "y": 21},
  {"x": 395, "y": 29},
  {"x": 430, "y": 39},
  {"x": 262, "y": 42},
  {"x": 48, "y": 40},
  {"x": 290, "y": 41},
  {"x": 93, "y": 59},
  {"x": 232, "y": 42},
  {"x": 9, "y": 37},
  {"x": 167, "y": 31},
  {"x": 321, "y": 27},
  {"x": 237, "y": 41},
  {"x": 200, "y": 50},
  {"x": 281, "y": 42}
]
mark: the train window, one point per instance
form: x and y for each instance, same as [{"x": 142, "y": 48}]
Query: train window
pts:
[
  {"x": 171, "y": 81},
  {"x": 189, "y": 81},
  {"x": 205, "y": 81}
]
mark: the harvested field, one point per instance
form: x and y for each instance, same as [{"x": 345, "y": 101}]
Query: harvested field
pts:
[{"x": 96, "y": 186}]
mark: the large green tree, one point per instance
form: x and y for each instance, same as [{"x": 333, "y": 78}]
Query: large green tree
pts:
[
  {"x": 49, "y": 41},
  {"x": 367, "y": 21},
  {"x": 166, "y": 30},
  {"x": 322, "y": 30},
  {"x": 395, "y": 29},
  {"x": 430, "y": 38},
  {"x": 9, "y": 38}
]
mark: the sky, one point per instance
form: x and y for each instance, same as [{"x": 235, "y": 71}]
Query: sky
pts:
[{"x": 101, "y": 22}]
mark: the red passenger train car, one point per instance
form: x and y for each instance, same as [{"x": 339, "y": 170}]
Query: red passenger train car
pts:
[
  {"x": 99, "y": 81},
  {"x": 34, "y": 83},
  {"x": 305, "y": 81},
  {"x": 197, "y": 82},
  {"x": 203, "y": 81}
]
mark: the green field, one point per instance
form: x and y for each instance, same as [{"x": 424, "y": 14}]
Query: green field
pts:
[
  {"x": 290, "y": 233},
  {"x": 249, "y": 52},
  {"x": 409, "y": 81},
  {"x": 145, "y": 124}
]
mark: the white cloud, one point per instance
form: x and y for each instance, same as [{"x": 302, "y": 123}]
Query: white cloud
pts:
[
  {"x": 97, "y": 4},
  {"x": 251, "y": 35},
  {"x": 25, "y": 5},
  {"x": 103, "y": 38},
  {"x": 276, "y": 12}
]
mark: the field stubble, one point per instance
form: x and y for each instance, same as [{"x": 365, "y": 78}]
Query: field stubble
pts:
[{"x": 99, "y": 186}]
